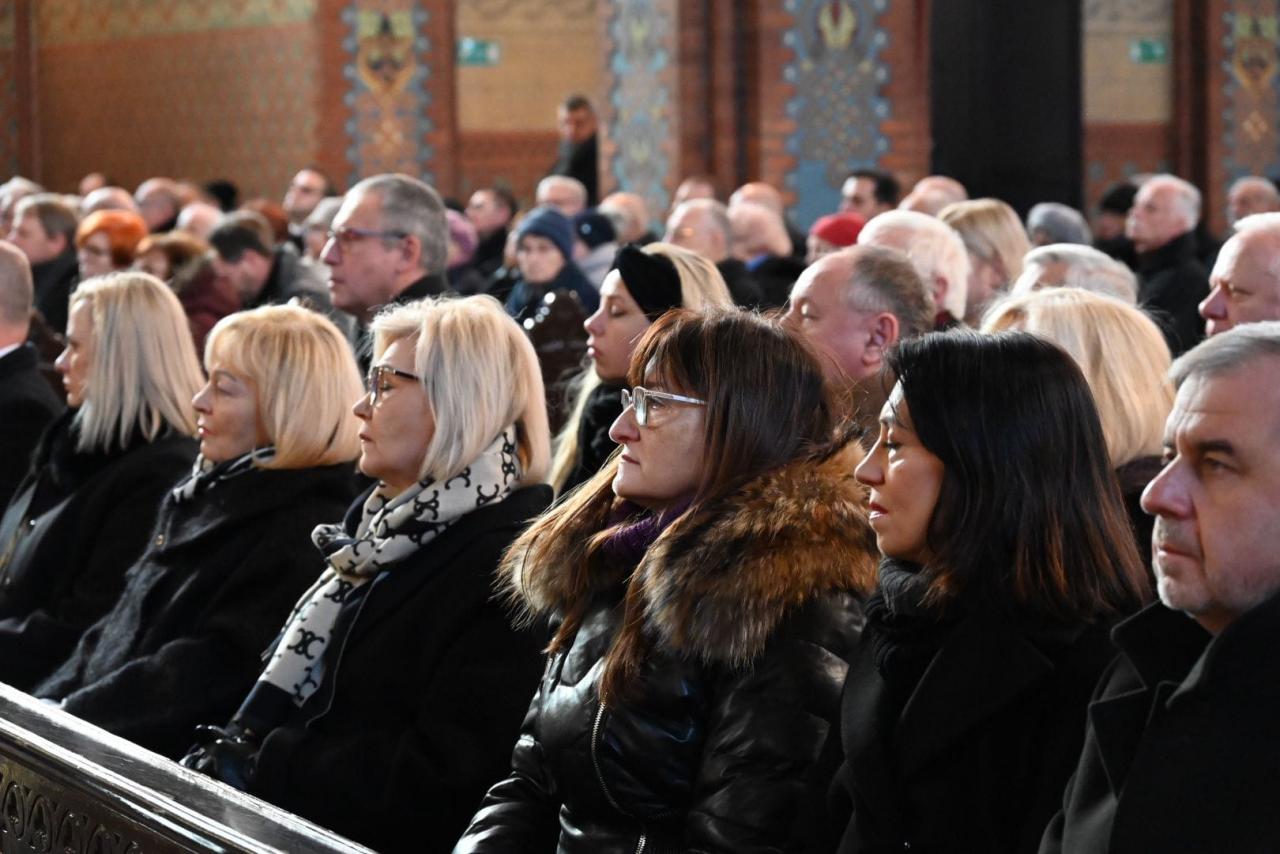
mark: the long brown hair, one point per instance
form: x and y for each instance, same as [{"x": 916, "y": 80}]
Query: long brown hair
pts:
[{"x": 766, "y": 406}]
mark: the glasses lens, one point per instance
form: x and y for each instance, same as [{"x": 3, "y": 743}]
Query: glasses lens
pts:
[
  {"x": 373, "y": 381},
  {"x": 642, "y": 406}
]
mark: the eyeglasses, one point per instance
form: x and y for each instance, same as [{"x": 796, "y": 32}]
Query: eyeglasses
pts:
[
  {"x": 347, "y": 235},
  {"x": 645, "y": 402},
  {"x": 377, "y": 378}
]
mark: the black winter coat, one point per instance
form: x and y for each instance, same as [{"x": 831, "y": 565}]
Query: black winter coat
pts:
[
  {"x": 78, "y": 521},
  {"x": 184, "y": 641},
  {"x": 1183, "y": 747},
  {"x": 421, "y": 698},
  {"x": 594, "y": 445},
  {"x": 750, "y": 606},
  {"x": 27, "y": 405},
  {"x": 54, "y": 280},
  {"x": 977, "y": 758},
  {"x": 1171, "y": 284}
]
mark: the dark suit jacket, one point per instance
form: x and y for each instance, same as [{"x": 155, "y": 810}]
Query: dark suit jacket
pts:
[
  {"x": 1183, "y": 746},
  {"x": 1171, "y": 284},
  {"x": 27, "y": 405}
]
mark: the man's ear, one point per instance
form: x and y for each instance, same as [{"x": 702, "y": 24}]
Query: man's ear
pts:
[
  {"x": 411, "y": 252},
  {"x": 882, "y": 333},
  {"x": 61, "y": 241}
]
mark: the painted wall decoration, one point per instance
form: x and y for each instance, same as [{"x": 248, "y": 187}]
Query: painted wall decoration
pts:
[
  {"x": 838, "y": 106},
  {"x": 1252, "y": 93},
  {"x": 387, "y": 97},
  {"x": 81, "y": 21},
  {"x": 642, "y": 99},
  {"x": 8, "y": 93}
]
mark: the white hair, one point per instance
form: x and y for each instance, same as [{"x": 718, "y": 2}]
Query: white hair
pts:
[
  {"x": 935, "y": 248},
  {"x": 1086, "y": 268},
  {"x": 1186, "y": 194},
  {"x": 1258, "y": 222}
]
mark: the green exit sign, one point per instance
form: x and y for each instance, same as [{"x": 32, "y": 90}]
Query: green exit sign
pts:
[
  {"x": 478, "y": 52},
  {"x": 1149, "y": 51}
]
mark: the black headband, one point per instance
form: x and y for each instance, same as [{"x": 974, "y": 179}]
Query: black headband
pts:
[{"x": 652, "y": 280}]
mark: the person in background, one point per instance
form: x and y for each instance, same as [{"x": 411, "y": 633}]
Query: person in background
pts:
[
  {"x": 996, "y": 242},
  {"x": 44, "y": 228},
  {"x": 1069, "y": 265},
  {"x": 159, "y": 201},
  {"x": 315, "y": 229},
  {"x": 182, "y": 643},
  {"x": 703, "y": 607},
  {"x": 702, "y": 226},
  {"x": 932, "y": 193},
  {"x": 26, "y": 400},
  {"x": 399, "y": 668},
  {"x": 1051, "y": 222},
  {"x": 491, "y": 210},
  {"x": 182, "y": 261},
  {"x": 964, "y": 708},
  {"x": 1245, "y": 282},
  {"x": 88, "y": 506},
  {"x": 578, "y": 155},
  {"x": 544, "y": 254},
  {"x": 869, "y": 192},
  {"x": 630, "y": 217},
  {"x": 1125, "y": 361},
  {"x": 936, "y": 250},
  {"x": 661, "y": 277},
  {"x": 1251, "y": 195},
  {"x": 308, "y": 187},
  {"x": 460, "y": 268},
  {"x": 595, "y": 242},
  {"x": 832, "y": 233},
  {"x": 107, "y": 242}
]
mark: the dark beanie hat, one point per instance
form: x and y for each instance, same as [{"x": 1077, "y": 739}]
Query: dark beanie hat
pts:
[
  {"x": 652, "y": 280},
  {"x": 594, "y": 229},
  {"x": 1119, "y": 198},
  {"x": 549, "y": 223}
]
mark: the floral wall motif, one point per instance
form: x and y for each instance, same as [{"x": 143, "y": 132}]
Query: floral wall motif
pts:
[
  {"x": 838, "y": 77},
  {"x": 1251, "y": 95}
]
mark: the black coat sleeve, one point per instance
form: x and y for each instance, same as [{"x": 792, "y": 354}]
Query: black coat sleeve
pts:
[
  {"x": 521, "y": 812},
  {"x": 431, "y": 755}
]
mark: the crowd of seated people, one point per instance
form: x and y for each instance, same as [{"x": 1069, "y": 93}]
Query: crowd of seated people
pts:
[{"x": 930, "y": 528}]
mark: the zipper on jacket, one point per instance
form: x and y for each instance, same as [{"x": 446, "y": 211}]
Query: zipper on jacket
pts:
[{"x": 595, "y": 761}]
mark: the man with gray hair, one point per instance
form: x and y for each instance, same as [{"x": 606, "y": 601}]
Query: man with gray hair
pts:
[
  {"x": 565, "y": 194},
  {"x": 1171, "y": 280},
  {"x": 26, "y": 399},
  {"x": 936, "y": 250},
  {"x": 853, "y": 305},
  {"x": 388, "y": 244},
  {"x": 1071, "y": 265},
  {"x": 1052, "y": 222},
  {"x": 1245, "y": 282},
  {"x": 1251, "y": 195},
  {"x": 1182, "y": 751}
]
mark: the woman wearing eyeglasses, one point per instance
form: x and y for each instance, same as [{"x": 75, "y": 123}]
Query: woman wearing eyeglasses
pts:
[
  {"x": 642, "y": 286},
  {"x": 390, "y": 701},
  {"x": 704, "y": 587},
  {"x": 230, "y": 551}
]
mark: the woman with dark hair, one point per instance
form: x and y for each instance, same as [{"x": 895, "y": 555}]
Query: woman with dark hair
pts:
[
  {"x": 1007, "y": 558},
  {"x": 704, "y": 587}
]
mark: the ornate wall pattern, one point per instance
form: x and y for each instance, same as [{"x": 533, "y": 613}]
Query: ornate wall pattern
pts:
[
  {"x": 63, "y": 22},
  {"x": 8, "y": 92},
  {"x": 1251, "y": 94},
  {"x": 837, "y": 76},
  {"x": 387, "y": 97},
  {"x": 641, "y": 136}
]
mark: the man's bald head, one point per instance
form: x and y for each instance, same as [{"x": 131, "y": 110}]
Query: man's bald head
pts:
[
  {"x": 565, "y": 194},
  {"x": 758, "y": 193},
  {"x": 757, "y": 230},
  {"x": 701, "y": 226},
  {"x": 932, "y": 193},
  {"x": 108, "y": 199},
  {"x": 630, "y": 212},
  {"x": 1245, "y": 282},
  {"x": 1251, "y": 195}
]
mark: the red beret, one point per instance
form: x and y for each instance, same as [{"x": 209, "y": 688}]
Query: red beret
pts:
[{"x": 839, "y": 229}]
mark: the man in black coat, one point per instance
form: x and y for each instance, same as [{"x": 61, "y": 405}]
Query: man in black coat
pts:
[
  {"x": 44, "y": 228},
  {"x": 579, "y": 148},
  {"x": 1171, "y": 279},
  {"x": 1182, "y": 751},
  {"x": 26, "y": 400},
  {"x": 490, "y": 210}
]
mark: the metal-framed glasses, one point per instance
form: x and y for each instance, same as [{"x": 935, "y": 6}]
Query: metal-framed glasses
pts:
[
  {"x": 377, "y": 379},
  {"x": 645, "y": 402},
  {"x": 344, "y": 237}
]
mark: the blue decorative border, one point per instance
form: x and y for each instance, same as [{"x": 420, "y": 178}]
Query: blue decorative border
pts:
[
  {"x": 415, "y": 119},
  {"x": 1230, "y": 120},
  {"x": 838, "y": 97}
]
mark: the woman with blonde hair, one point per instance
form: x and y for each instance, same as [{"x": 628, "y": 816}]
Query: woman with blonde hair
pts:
[
  {"x": 229, "y": 552},
  {"x": 86, "y": 508},
  {"x": 996, "y": 241},
  {"x": 643, "y": 284},
  {"x": 398, "y": 683},
  {"x": 1125, "y": 360}
]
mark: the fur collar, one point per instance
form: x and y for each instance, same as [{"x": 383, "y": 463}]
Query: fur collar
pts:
[{"x": 718, "y": 582}]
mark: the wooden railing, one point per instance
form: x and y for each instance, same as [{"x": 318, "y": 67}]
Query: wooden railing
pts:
[{"x": 71, "y": 788}]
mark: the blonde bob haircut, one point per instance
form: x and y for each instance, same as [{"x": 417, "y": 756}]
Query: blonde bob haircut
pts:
[
  {"x": 305, "y": 377},
  {"x": 991, "y": 231},
  {"x": 143, "y": 369},
  {"x": 701, "y": 286},
  {"x": 480, "y": 373},
  {"x": 1119, "y": 349}
]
